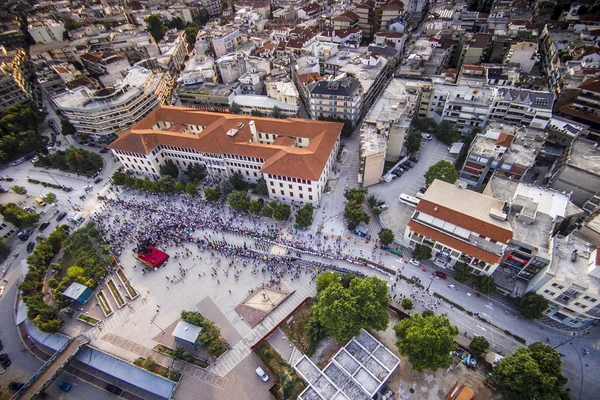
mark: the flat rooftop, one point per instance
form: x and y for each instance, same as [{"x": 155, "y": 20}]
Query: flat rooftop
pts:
[
  {"x": 209, "y": 89},
  {"x": 391, "y": 104},
  {"x": 137, "y": 81},
  {"x": 585, "y": 155},
  {"x": 574, "y": 272},
  {"x": 371, "y": 142}
]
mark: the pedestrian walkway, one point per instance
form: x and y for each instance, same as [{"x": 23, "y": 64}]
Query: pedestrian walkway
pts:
[
  {"x": 230, "y": 359},
  {"x": 117, "y": 318}
]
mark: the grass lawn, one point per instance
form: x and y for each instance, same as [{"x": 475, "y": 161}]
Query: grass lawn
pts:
[
  {"x": 296, "y": 329},
  {"x": 288, "y": 385}
]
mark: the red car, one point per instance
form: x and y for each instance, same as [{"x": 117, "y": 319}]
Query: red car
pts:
[{"x": 440, "y": 274}]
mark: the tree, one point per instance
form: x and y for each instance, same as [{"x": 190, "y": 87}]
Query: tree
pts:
[
  {"x": 190, "y": 188},
  {"x": 343, "y": 312},
  {"x": 67, "y": 128},
  {"x": 479, "y": 345},
  {"x": 413, "y": 141},
  {"x": 326, "y": 279},
  {"x": 235, "y": 108},
  {"x": 238, "y": 200},
  {"x": 442, "y": 170},
  {"x": 195, "y": 172},
  {"x": 462, "y": 272},
  {"x": 424, "y": 124},
  {"x": 282, "y": 212},
  {"x": 226, "y": 187},
  {"x": 533, "y": 372},
  {"x": 149, "y": 364},
  {"x": 179, "y": 353},
  {"x": 426, "y": 340},
  {"x": 238, "y": 182},
  {"x": 191, "y": 32},
  {"x": 17, "y": 216},
  {"x": 304, "y": 216},
  {"x": 407, "y": 304},
  {"x": 169, "y": 169},
  {"x": 255, "y": 207},
  {"x": 176, "y": 23},
  {"x": 155, "y": 27},
  {"x": 50, "y": 198},
  {"x": 386, "y": 236},
  {"x": 75, "y": 271},
  {"x": 212, "y": 194},
  {"x": 421, "y": 252},
  {"x": 372, "y": 201},
  {"x": 256, "y": 113},
  {"x": 532, "y": 305},
  {"x": 446, "y": 132},
  {"x": 485, "y": 283},
  {"x": 261, "y": 187},
  {"x": 357, "y": 195},
  {"x": 19, "y": 190},
  {"x": 276, "y": 113},
  {"x": 355, "y": 215},
  {"x": 267, "y": 211}
]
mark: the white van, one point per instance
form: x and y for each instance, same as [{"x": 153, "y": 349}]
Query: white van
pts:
[{"x": 262, "y": 374}]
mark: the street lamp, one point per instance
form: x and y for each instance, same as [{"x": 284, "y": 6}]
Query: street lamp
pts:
[{"x": 430, "y": 282}]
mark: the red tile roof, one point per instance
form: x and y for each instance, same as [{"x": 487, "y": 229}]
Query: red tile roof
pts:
[{"x": 281, "y": 159}]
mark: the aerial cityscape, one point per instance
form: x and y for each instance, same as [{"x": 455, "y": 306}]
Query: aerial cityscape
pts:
[{"x": 300, "y": 199}]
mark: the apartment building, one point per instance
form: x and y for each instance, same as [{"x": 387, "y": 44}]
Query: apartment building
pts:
[
  {"x": 466, "y": 106},
  {"x": 212, "y": 6},
  {"x": 461, "y": 225},
  {"x": 474, "y": 49},
  {"x": 374, "y": 16},
  {"x": 507, "y": 150},
  {"x": 173, "y": 49},
  {"x": 578, "y": 172},
  {"x": 524, "y": 54},
  {"x": 571, "y": 283},
  {"x": 11, "y": 93},
  {"x": 535, "y": 214},
  {"x": 341, "y": 98},
  {"x": 208, "y": 96},
  {"x": 585, "y": 108},
  {"x": 521, "y": 106},
  {"x": 294, "y": 156},
  {"x": 46, "y": 32},
  {"x": 103, "y": 113},
  {"x": 226, "y": 42}
]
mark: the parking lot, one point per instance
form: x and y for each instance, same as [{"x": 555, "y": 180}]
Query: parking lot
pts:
[{"x": 397, "y": 215}]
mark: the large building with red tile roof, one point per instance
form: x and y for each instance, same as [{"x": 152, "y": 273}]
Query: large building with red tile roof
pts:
[
  {"x": 461, "y": 225},
  {"x": 294, "y": 156}
]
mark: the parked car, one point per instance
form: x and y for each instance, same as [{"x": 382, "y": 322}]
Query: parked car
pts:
[
  {"x": 423, "y": 190},
  {"x": 4, "y": 360},
  {"x": 415, "y": 262},
  {"x": 262, "y": 374},
  {"x": 104, "y": 151},
  {"x": 35, "y": 159},
  {"x": 383, "y": 207},
  {"x": 440, "y": 274},
  {"x": 30, "y": 246},
  {"x": 98, "y": 180},
  {"x": 17, "y": 162},
  {"x": 44, "y": 226},
  {"x": 114, "y": 390},
  {"x": 61, "y": 216},
  {"x": 409, "y": 164},
  {"x": 15, "y": 385},
  {"x": 29, "y": 156},
  {"x": 426, "y": 136},
  {"x": 65, "y": 387},
  {"x": 40, "y": 202},
  {"x": 3, "y": 190},
  {"x": 24, "y": 234}
]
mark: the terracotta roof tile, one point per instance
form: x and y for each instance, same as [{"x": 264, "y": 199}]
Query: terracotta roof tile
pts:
[
  {"x": 505, "y": 140},
  {"x": 281, "y": 158}
]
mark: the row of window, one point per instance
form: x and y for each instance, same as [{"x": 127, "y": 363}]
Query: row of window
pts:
[
  {"x": 300, "y": 195},
  {"x": 290, "y": 186},
  {"x": 289, "y": 179}
]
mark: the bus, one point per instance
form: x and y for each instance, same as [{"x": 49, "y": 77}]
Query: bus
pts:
[{"x": 408, "y": 200}]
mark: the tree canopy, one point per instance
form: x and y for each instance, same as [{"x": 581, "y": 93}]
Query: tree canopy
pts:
[
  {"x": 239, "y": 200},
  {"x": 442, "y": 170},
  {"x": 533, "y": 372},
  {"x": 446, "y": 132},
  {"x": 479, "y": 345},
  {"x": 212, "y": 194},
  {"x": 386, "y": 236},
  {"x": 235, "y": 108},
  {"x": 155, "y": 27},
  {"x": 75, "y": 160},
  {"x": 261, "y": 187},
  {"x": 282, "y": 212},
  {"x": 169, "y": 169},
  {"x": 426, "y": 340},
  {"x": 19, "y": 132},
  {"x": 343, "y": 312},
  {"x": 304, "y": 216},
  {"x": 421, "y": 252},
  {"x": 413, "y": 141},
  {"x": 462, "y": 272},
  {"x": 17, "y": 216},
  {"x": 532, "y": 305},
  {"x": 195, "y": 172}
]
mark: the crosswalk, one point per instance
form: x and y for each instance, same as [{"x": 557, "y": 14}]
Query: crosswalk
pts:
[{"x": 233, "y": 357}]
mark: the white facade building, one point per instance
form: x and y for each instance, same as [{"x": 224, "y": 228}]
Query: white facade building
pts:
[
  {"x": 47, "y": 32},
  {"x": 294, "y": 156}
]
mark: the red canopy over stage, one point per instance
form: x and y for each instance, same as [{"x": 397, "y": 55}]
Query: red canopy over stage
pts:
[{"x": 153, "y": 258}]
